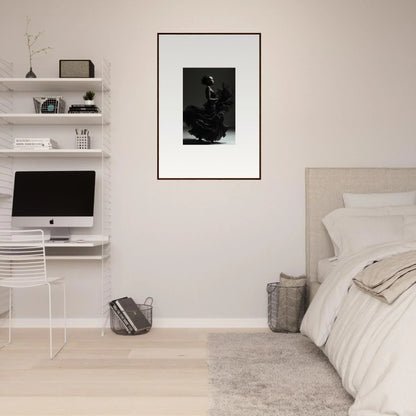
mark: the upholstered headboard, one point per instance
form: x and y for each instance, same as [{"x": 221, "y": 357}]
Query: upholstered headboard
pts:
[{"x": 324, "y": 189}]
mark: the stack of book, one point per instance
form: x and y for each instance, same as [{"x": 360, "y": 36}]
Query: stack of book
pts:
[
  {"x": 82, "y": 108},
  {"x": 129, "y": 314},
  {"x": 31, "y": 144}
]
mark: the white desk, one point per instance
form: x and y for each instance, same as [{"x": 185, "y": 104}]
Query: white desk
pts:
[
  {"x": 75, "y": 243},
  {"x": 80, "y": 257},
  {"x": 76, "y": 249}
]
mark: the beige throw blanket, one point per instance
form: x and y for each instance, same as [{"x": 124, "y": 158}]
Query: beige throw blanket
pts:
[{"x": 389, "y": 278}]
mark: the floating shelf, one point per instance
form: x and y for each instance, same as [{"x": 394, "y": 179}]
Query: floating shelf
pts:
[
  {"x": 80, "y": 257},
  {"x": 60, "y": 244},
  {"x": 51, "y": 84},
  {"x": 58, "y": 119},
  {"x": 74, "y": 244},
  {"x": 79, "y": 153}
]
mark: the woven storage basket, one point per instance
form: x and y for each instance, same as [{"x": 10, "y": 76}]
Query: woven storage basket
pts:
[{"x": 286, "y": 303}]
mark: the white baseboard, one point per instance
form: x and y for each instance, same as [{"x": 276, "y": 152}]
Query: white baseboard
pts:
[
  {"x": 157, "y": 323},
  {"x": 44, "y": 323},
  {"x": 209, "y": 323}
]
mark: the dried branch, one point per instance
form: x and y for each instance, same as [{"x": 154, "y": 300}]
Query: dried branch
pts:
[{"x": 31, "y": 40}]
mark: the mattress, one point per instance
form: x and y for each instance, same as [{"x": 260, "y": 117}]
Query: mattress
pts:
[{"x": 325, "y": 267}]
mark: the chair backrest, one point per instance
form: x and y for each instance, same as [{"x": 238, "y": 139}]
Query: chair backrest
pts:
[{"x": 22, "y": 257}]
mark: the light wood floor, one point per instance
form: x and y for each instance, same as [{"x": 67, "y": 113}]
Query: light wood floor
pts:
[{"x": 162, "y": 373}]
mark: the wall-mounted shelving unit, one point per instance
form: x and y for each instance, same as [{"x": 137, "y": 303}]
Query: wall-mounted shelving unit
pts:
[{"x": 98, "y": 247}]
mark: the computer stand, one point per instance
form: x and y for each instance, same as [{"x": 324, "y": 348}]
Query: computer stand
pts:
[{"x": 60, "y": 234}]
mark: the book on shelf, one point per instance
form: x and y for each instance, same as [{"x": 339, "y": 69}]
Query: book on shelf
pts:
[
  {"x": 27, "y": 143},
  {"x": 29, "y": 148},
  {"x": 29, "y": 140},
  {"x": 133, "y": 314}
]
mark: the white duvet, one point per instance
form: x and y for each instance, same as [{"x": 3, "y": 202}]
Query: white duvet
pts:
[{"x": 371, "y": 344}]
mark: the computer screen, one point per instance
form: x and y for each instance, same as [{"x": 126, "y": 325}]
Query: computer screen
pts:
[{"x": 53, "y": 198}]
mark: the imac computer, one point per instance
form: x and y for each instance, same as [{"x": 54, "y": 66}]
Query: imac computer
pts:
[{"x": 56, "y": 200}]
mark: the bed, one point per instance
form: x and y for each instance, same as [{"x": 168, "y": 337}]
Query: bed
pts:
[{"x": 371, "y": 344}]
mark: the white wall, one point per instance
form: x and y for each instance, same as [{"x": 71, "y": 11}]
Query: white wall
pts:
[{"x": 338, "y": 89}]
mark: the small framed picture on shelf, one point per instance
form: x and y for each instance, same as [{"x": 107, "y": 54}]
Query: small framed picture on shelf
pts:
[{"x": 209, "y": 106}]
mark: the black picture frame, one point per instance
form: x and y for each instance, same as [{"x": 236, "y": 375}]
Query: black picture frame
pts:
[{"x": 165, "y": 136}]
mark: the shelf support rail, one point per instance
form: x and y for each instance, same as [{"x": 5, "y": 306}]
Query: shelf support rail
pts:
[
  {"x": 6, "y": 69},
  {"x": 106, "y": 191},
  {"x": 6, "y": 99},
  {"x": 6, "y": 167}
]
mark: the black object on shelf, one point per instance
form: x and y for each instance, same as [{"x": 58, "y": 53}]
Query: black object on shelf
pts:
[
  {"x": 129, "y": 318},
  {"x": 76, "y": 68},
  {"x": 82, "y": 108}
]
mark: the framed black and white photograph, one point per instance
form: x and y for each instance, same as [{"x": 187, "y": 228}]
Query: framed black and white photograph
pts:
[{"x": 209, "y": 106}]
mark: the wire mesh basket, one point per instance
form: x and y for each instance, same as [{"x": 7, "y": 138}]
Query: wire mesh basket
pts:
[
  {"x": 145, "y": 308},
  {"x": 49, "y": 105},
  {"x": 286, "y": 304}
]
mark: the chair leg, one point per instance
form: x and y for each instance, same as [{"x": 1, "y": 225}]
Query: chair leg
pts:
[
  {"x": 52, "y": 355},
  {"x": 105, "y": 322},
  {"x": 64, "y": 292},
  {"x": 9, "y": 319},
  {"x": 10, "y": 314}
]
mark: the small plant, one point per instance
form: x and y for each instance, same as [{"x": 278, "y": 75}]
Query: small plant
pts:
[
  {"x": 89, "y": 96},
  {"x": 31, "y": 40}
]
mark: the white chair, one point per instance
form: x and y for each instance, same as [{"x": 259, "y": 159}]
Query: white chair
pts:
[{"x": 22, "y": 265}]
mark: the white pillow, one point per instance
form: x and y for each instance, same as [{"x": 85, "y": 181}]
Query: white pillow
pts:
[
  {"x": 333, "y": 216},
  {"x": 335, "y": 221},
  {"x": 352, "y": 234},
  {"x": 379, "y": 199}
]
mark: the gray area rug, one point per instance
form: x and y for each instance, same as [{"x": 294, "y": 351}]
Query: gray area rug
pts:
[{"x": 272, "y": 374}]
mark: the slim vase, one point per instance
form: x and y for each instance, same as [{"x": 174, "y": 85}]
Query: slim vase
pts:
[{"x": 30, "y": 74}]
